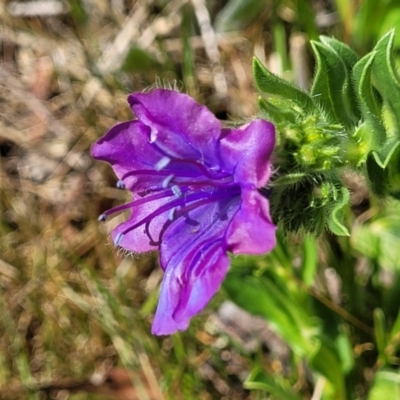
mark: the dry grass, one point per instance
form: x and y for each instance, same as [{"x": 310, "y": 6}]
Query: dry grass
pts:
[{"x": 76, "y": 313}]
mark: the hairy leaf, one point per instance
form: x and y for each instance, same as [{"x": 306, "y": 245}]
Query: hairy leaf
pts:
[
  {"x": 335, "y": 220},
  {"x": 272, "y": 84},
  {"x": 331, "y": 85},
  {"x": 385, "y": 77},
  {"x": 350, "y": 58}
]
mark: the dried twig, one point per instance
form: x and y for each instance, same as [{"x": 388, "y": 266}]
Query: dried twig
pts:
[{"x": 211, "y": 46}]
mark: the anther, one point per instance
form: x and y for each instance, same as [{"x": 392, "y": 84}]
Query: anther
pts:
[
  {"x": 176, "y": 190},
  {"x": 171, "y": 215},
  {"x": 118, "y": 239},
  {"x": 162, "y": 163},
  {"x": 120, "y": 184},
  {"x": 165, "y": 183},
  {"x": 153, "y": 136},
  {"x": 102, "y": 217}
]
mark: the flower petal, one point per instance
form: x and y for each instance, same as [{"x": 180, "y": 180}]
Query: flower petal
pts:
[
  {"x": 179, "y": 301},
  {"x": 180, "y": 126},
  {"x": 126, "y": 147},
  {"x": 247, "y": 150},
  {"x": 251, "y": 230},
  {"x": 195, "y": 264},
  {"x": 142, "y": 238}
]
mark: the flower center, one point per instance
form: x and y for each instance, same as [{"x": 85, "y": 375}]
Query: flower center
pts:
[{"x": 186, "y": 184}]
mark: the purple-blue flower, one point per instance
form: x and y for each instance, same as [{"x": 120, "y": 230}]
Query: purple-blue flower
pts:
[{"x": 195, "y": 188}]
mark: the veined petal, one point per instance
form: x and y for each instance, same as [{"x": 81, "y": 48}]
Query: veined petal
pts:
[
  {"x": 195, "y": 264},
  {"x": 246, "y": 152},
  {"x": 140, "y": 239},
  {"x": 179, "y": 125},
  {"x": 126, "y": 147},
  {"x": 251, "y": 230},
  {"x": 206, "y": 223},
  {"x": 196, "y": 195},
  {"x": 181, "y": 300}
]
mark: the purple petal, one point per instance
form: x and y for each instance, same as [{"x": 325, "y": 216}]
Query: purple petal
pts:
[
  {"x": 251, "y": 230},
  {"x": 247, "y": 150},
  {"x": 126, "y": 147},
  {"x": 180, "y": 126},
  {"x": 196, "y": 198},
  {"x": 179, "y": 301},
  {"x": 140, "y": 240},
  {"x": 194, "y": 254}
]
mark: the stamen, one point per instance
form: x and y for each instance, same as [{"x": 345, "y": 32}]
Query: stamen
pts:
[
  {"x": 176, "y": 159},
  {"x": 176, "y": 190},
  {"x": 118, "y": 239},
  {"x": 162, "y": 163},
  {"x": 102, "y": 217},
  {"x": 158, "y": 174},
  {"x": 172, "y": 213},
  {"x": 165, "y": 183},
  {"x": 133, "y": 203},
  {"x": 153, "y": 136},
  {"x": 183, "y": 205},
  {"x": 194, "y": 197},
  {"x": 120, "y": 184}
]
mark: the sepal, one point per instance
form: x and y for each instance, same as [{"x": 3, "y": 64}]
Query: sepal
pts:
[
  {"x": 278, "y": 112},
  {"x": 309, "y": 203}
]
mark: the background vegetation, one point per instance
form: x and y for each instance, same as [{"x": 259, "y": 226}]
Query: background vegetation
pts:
[{"x": 75, "y": 313}]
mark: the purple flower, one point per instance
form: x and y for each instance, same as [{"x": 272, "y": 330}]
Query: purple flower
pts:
[{"x": 195, "y": 195}]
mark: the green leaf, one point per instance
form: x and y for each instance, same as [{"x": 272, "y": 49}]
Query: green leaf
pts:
[
  {"x": 305, "y": 16},
  {"x": 372, "y": 132},
  {"x": 380, "y": 334},
  {"x": 309, "y": 262},
  {"x": 272, "y": 84},
  {"x": 335, "y": 219},
  {"x": 362, "y": 76},
  {"x": 368, "y": 22},
  {"x": 260, "y": 380},
  {"x": 391, "y": 20},
  {"x": 260, "y": 296},
  {"x": 331, "y": 85},
  {"x": 287, "y": 316},
  {"x": 395, "y": 333},
  {"x": 385, "y": 77},
  {"x": 350, "y": 58},
  {"x": 386, "y": 385},
  {"x": 326, "y": 361},
  {"x": 371, "y": 108},
  {"x": 188, "y": 60},
  {"x": 379, "y": 239},
  {"x": 77, "y": 11},
  {"x": 237, "y": 14},
  {"x": 345, "y": 350},
  {"x": 384, "y": 154},
  {"x": 347, "y": 54},
  {"x": 377, "y": 176},
  {"x": 139, "y": 60}
]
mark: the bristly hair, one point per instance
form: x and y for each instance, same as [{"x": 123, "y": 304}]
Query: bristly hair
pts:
[{"x": 163, "y": 83}]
